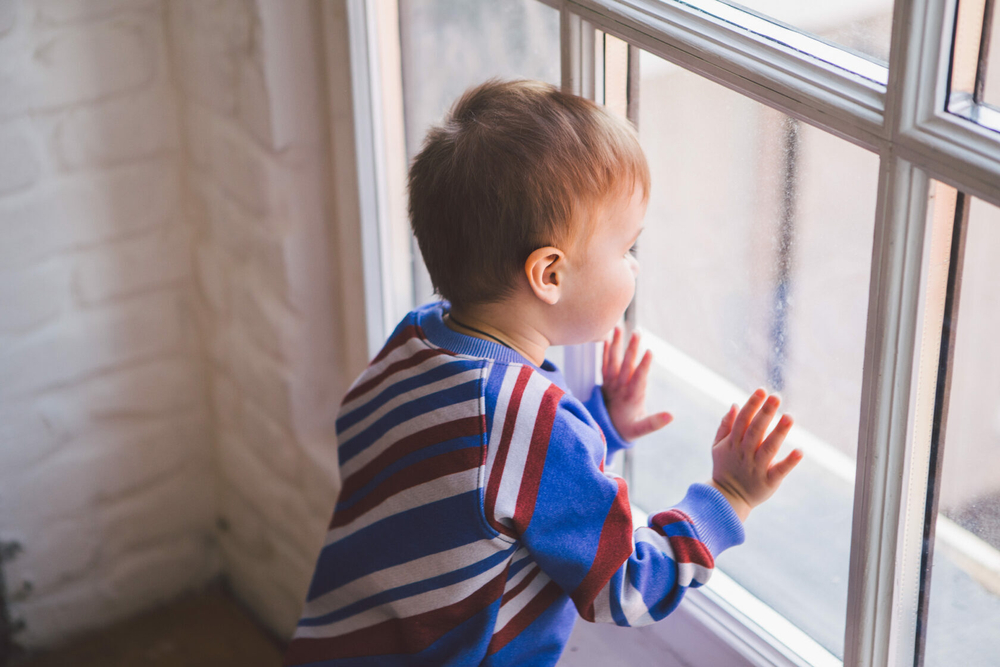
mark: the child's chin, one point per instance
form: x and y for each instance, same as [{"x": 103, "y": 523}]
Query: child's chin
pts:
[
  {"x": 594, "y": 338},
  {"x": 589, "y": 335}
]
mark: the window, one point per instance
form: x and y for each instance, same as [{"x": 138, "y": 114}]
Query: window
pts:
[
  {"x": 846, "y": 183},
  {"x": 449, "y": 46},
  {"x": 859, "y": 25},
  {"x": 960, "y": 599},
  {"x": 975, "y": 68},
  {"x": 763, "y": 281}
]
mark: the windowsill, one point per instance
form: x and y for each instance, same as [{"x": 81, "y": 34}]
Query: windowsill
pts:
[
  {"x": 770, "y": 636},
  {"x": 758, "y": 629}
]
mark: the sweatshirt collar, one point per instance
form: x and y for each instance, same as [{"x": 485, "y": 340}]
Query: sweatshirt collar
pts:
[{"x": 437, "y": 332}]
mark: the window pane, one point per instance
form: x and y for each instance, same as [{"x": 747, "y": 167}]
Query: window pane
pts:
[
  {"x": 965, "y": 49},
  {"x": 991, "y": 77},
  {"x": 755, "y": 272},
  {"x": 975, "y": 82},
  {"x": 449, "y": 45},
  {"x": 964, "y": 611},
  {"x": 863, "y": 26}
]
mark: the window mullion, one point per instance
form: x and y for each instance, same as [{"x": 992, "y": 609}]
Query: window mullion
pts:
[
  {"x": 891, "y": 349},
  {"x": 632, "y": 78},
  {"x": 881, "y": 615},
  {"x": 370, "y": 172},
  {"x": 576, "y": 42},
  {"x": 912, "y": 92},
  {"x": 576, "y": 45},
  {"x": 949, "y": 148},
  {"x": 632, "y": 85},
  {"x": 834, "y": 99}
]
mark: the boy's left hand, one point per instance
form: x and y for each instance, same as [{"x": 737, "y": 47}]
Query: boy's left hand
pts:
[{"x": 624, "y": 388}]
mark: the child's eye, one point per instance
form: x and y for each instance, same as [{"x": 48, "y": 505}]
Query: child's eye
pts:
[{"x": 634, "y": 249}]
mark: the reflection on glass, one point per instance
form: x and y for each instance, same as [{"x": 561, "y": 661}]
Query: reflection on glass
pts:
[
  {"x": 974, "y": 74},
  {"x": 964, "y": 611},
  {"x": 969, "y": 17},
  {"x": 450, "y": 45},
  {"x": 755, "y": 272},
  {"x": 991, "y": 77},
  {"x": 863, "y": 26}
]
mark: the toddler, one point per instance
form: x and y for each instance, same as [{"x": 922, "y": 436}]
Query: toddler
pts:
[{"x": 475, "y": 520}]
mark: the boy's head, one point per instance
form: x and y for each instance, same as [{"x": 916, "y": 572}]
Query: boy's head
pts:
[{"x": 516, "y": 166}]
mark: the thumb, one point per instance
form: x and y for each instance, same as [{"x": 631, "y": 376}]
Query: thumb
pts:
[{"x": 649, "y": 424}]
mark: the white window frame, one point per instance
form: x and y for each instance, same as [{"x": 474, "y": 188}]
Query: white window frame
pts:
[{"x": 898, "y": 113}]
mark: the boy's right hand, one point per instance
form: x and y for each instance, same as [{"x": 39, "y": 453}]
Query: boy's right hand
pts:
[{"x": 742, "y": 465}]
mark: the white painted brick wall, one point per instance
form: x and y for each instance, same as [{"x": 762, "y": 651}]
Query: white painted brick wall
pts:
[
  {"x": 255, "y": 137},
  {"x": 20, "y": 165},
  {"x": 72, "y": 62},
  {"x": 120, "y": 129},
  {"x": 170, "y": 353},
  {"x": 107, "y": 476},
  {"x": 149, "y": 260}
]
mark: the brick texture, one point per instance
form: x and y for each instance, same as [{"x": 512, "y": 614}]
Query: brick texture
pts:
[{"x": 169, "y": 348}]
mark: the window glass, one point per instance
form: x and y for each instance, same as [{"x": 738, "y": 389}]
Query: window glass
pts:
[
  {"x": 862, "y": 26},
  {"x": 964, "y": 611},
  {"x": 755, "y": 272},
  {"x": 969, "y": 16},
  {"x": 449, "y": 45},
  {"x": 974, "y": 75},
  {"x": 991, "y": 77}
]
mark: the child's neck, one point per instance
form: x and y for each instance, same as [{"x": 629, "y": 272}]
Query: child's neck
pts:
[{"x": 499, "y": 322}]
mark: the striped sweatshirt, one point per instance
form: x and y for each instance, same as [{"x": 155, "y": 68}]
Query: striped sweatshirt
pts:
[{"x": 475, "y": 520}]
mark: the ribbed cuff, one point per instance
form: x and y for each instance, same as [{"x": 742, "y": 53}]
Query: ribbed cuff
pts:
[{"x": 714, "y": 518}]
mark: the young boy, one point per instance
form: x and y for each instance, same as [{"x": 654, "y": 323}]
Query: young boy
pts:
[{"x": 475, "y": 521}]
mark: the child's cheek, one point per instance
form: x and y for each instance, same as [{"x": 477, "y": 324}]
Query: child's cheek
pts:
[
  {"x": 629, "y": 276},
  {"x": 624, "y": 289}
]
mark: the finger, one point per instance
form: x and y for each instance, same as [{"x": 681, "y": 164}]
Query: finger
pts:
[
  {"x": 758, "y": 426},
  {"x": 746, "y": 414},
  {"x": 609, "y": 372},
  {"x": 647, "y": 425},
  {"x": 777, "y": 472},
  {"x": 614, "y": 356},
  {"x": 772, "y": 443},
  {"x": 726, "y": 426},
  {"x": 628, "y": 363},
  {"x": 637, "y": 383}
]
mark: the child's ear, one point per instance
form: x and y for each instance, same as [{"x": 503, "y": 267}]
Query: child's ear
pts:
[{"x": 544, "y": 269}]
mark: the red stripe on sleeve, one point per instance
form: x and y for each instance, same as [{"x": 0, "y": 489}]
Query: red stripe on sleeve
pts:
[
  {"x": 496, "y": 474},
  {"x": 671, "y": 516},
  {"x": 535, "y": 463},
  {"x": 687, "y": 549},
  {"x": 613, "y": 549},
  {"x": 549, "y": 594},
  {"x": 691, "y": 550},
  {"x": 520, "y": 586}
]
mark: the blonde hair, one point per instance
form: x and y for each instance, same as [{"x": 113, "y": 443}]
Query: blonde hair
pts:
[{"x": 515, "y": 166}]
